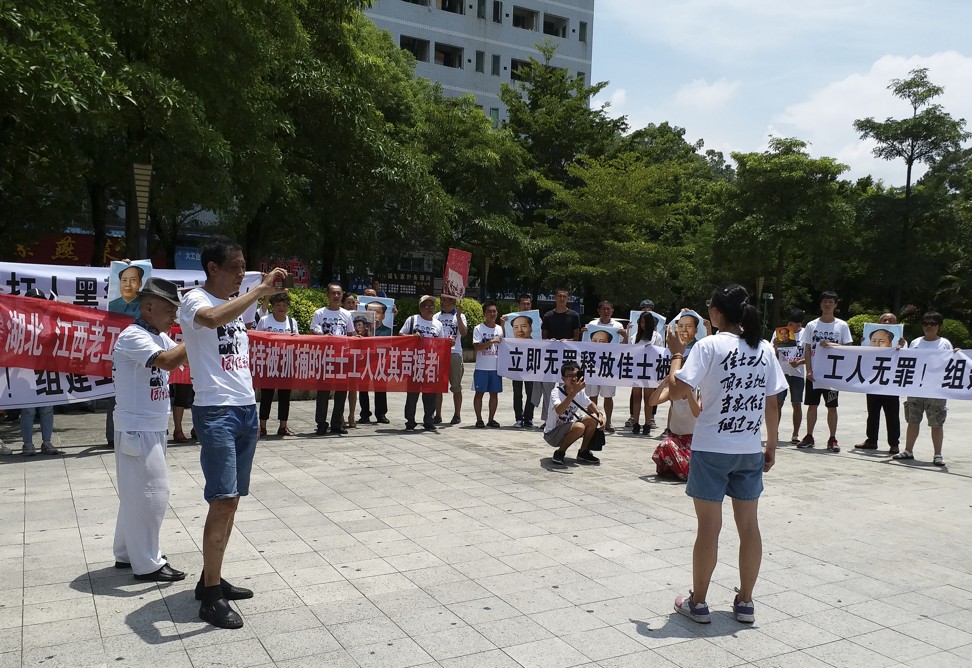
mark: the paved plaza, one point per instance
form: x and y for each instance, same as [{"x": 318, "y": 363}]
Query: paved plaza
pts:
[{"x": 467, "y": 549}]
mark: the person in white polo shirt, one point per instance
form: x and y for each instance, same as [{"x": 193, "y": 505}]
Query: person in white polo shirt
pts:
[{"x": 142, "y": 358}]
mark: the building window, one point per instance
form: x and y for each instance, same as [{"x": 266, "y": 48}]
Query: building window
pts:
[
  {"x": 454, "y": 6},
  {"x": 495, "y": 66},
  {"x": 417, "y": 47},
  {"x": 497, "y": 11},
  {"x": 515, "y": 67},
  {"x": 582, "y": 77},
  {"x": 481, "y": 9},
  {"x": 582, "y": 32},
  {"x": 554, "y": 25},
  {"x": 480, "y": 61},
  {"x": 494, "y": 116},
  {"x": 423, "y": 3},
  {"x": 525, "y": 18},
  {"x": 448, "y": 55}
]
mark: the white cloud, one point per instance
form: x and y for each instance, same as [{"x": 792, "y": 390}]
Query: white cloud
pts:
[
  {"x": 826, "y": 117},
  {"x": 700, "y": 94}
]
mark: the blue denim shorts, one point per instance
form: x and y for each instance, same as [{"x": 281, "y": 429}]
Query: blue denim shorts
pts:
[
  {"x": 714, "y": 475},
  {"x": 228, "y": 438},
  {"x": 487, "y": 381}
]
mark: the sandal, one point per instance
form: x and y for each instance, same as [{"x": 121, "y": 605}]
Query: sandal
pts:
[
  {"x": 179, "y": 437},
  {"x": 285, "y": 431},
  {"x": 263, "y": 432},
  {"x": 795, "y": 440},
  {"x": 938, "y": 461},
  {"x": 904, "y": 454}
]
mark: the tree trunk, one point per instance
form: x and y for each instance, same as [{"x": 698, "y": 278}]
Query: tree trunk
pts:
[
  {"x": 98, "y": 196},
  {"x": 132, "y": 230},
  {"x": 777, "y": 290}
]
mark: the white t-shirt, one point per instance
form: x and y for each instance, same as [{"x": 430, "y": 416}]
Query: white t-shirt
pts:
[
  {"x": 941, "y": 343},
  {"x": 558, "y": 394},
  {"x": 141, "y": 390},
  {"x": 268, "y": 323},
  {"x": 836, "y": 332},
  {"x": 416, "y": 324},
  {"x": 656, "y": 339},
  {"x": 486, "y": 359},
  {"x": 450, "y": 329},
  {"x": 735, "y": 381},
  {"x": 336, "y": 322},
  {"x": 219, "y": 359},
  {"x": 795, "y": 351}
]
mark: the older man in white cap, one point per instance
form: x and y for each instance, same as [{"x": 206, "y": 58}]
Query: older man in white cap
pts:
[{"x": 143, "y": 356}]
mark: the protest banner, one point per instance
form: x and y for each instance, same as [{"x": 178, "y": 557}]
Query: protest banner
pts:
[
  {"x": 909, "y": 372},
  {"x": 22, "y": 388},
  {"x": 295, "y": 267},
  {"x": 88, "y": 286},
  {"x": 455, "y": 278},
  {"x": 615, "y": 364}
]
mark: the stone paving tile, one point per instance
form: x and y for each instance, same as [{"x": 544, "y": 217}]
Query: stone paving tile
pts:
[{"x": 392, "y": 549}]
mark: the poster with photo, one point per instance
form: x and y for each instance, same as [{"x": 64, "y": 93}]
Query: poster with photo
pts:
[
  {"x": 364, "y": 323},
  {"x": 124, "y": 282},
  {"x": 660, "y": 322},
  {"x": 785, "y": 336},
  {"x": 882, "y": 336},
  {"x": 689, "y": 326},
  {"x": 522, "y": 325},
  {"x": 384, "y": 310},
  {"x": 601, "y": 334}
]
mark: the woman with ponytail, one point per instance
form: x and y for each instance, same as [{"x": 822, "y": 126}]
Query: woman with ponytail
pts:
[{"x": 739, "y": 377}]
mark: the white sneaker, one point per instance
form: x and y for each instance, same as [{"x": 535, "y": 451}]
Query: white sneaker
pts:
[
  {"x": 29, "y": 450},
  {"x": 4, "y": 450}
]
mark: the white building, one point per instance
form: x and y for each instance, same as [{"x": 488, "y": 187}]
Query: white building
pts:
[{"x": 472, "y": 46}]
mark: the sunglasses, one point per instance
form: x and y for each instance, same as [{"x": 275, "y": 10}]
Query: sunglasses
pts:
[{"x": 926, "y": 323}]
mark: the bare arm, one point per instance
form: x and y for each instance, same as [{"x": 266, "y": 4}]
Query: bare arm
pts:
[
  {"x": 772, "y": 426},
  {"x": 461, "y": 322},
  {"x": 212, "y": 317},
  {"x": 171, "y": 359}
]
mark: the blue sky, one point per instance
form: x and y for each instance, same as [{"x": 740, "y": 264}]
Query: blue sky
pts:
[{"x": 733, "y": 72}]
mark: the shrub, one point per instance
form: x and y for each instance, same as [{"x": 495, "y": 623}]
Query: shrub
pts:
[
  {"x": 857, "y": 323},
  {"x": 955, "y": 332},
  {"x": 303, "y": 303}
]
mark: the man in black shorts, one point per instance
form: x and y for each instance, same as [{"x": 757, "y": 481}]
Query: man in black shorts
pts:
[{"x": 827, "y": 330}]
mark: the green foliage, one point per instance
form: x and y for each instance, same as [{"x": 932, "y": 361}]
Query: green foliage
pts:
[
  {"x": 303, "y": 304},
  {"x": 956, "y": 332},
  {"x": 856, "y": 324}
]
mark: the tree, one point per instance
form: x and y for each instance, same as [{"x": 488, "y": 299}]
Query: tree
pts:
[
  {"x": 783, "y": 209},
  {"x": 926, "y": 136}
]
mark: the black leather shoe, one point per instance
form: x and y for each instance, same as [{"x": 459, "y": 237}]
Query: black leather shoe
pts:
[
  {"x": 219, "y": 613},
  {"x": 230, "y": 592},
  {"x": 164, "y": 574},
  {"x": 340, "y": 431},
  {"x": 382, "y": 420}
]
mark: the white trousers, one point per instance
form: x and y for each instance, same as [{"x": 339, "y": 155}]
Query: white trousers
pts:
[{"x": 143, "y": 494}]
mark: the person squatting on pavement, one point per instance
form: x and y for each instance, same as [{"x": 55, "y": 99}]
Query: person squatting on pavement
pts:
[
  {"x": 224, "y": 411},
  {"x": 143, "y": 356}
]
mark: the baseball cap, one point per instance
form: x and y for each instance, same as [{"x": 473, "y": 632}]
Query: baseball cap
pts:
[{"x": 647, "y": 303}]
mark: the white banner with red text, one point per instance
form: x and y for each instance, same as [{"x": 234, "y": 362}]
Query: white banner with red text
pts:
[
  {"x": 909, "y": 372},
  {"x": 617, "y": 364}
]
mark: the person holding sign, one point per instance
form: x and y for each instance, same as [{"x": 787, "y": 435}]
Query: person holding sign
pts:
[
  {"x": 453, "y": 326},
  {"x": 604, "y": 311},
  {"x": 827, "y": 330},
  {"x": 486, "y": 336},
  {"x": 46, "y": 414},
  {"x": 522, "y": 326},
  {"x": 142, "y": 357},
  {"x": 332, "y": 320},
  {"x": 558, "y": 324},
  {"x": 277, "y": 321},
  {"x": 645, "y": 335},
  {"x": 727, "y": 455},
  {"x": 423, "y": 324},
  {"x": 224, "y": 410},
  {"x": 792, "y": 368},
  {"x": 915, "y": 407},
  {"x": 882, "y": 338}
]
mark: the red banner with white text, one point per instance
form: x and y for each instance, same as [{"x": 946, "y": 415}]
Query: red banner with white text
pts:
[
  {"x": 45, "y": 335},
  {"x": 50, "y": 336}
]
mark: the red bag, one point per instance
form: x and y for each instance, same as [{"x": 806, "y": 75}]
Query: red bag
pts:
[{"x": 672, "y": 456}]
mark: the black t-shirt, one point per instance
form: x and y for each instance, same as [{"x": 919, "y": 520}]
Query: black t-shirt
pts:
[{"x": 560, "y": 325}]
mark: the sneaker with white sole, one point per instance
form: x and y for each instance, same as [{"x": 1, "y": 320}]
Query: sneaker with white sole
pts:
[
  {"x": 4, "y": 449},
  {"x": 697, "y": 612},
  {"x": 745, "y": 611},
  {"x": 29, "y": 450},
  {"x": 518, "y": 424}
]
